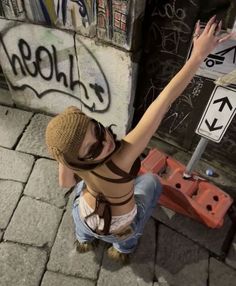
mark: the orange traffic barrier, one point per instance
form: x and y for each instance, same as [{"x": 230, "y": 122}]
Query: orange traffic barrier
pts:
[{"x": 192, "y": 197}]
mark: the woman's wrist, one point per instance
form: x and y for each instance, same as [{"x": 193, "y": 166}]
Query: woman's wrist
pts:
[{"x": 197, "y": 58}]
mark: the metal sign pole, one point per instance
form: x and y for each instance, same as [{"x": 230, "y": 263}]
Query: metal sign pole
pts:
[
  {"x": 215, "y": 120},
  {"x": 195, "y": 157}
]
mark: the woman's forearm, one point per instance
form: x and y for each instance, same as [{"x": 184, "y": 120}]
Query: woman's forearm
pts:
[{"x": 203, "y": 43}]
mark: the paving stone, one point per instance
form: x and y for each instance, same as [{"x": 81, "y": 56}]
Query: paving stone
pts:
[
  {"x": 162, "y": 282},
  {"x": 5, "y": 97},
  {"x": 231, "y": 257},
  {"x": 220, "y": 274},
  {"x": 43, "y": 183},
  {"x": 141, "y": 268},
  {"x": 13, "y": 122},
  {"x": 10, "y": 193},
  {"x": 14, "y": 165},
  {"x": 64, "y": 257},
  {"x": 212, "y": 239},
  {"x": 179, "y": 261},
  {"x": 55, "y": 279},
  {"x": 20, "y": 265},
  {"x": 34, "y": 223},
  {"x": 33, "y": 140}
]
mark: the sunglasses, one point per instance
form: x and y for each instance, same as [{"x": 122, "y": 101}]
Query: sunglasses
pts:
[{"x": 96, "y": 148}]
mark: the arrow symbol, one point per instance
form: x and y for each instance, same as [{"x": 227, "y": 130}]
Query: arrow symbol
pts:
[
  {"x": 212, "y": 127},
  {"x": 224, "y": 101}
]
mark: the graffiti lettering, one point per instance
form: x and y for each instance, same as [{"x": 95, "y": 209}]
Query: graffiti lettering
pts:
[
  {"x": 38, "y": 55},
  {"x": 171, "y": 12},
  {"x": 98, "y": 90},
  {"x": 26, "y": 55},
  {"x": 25, "y": 64},
  {"x": 60, "y": 65}
]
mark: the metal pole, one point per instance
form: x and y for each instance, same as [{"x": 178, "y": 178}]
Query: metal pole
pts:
[{"x": 195, "y": 157}]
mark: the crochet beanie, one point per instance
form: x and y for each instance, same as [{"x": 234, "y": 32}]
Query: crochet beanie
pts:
[{"x": 65, "y": 134}]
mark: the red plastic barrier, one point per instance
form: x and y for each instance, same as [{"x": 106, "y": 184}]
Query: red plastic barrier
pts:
[{"x": 197, "y": 199}]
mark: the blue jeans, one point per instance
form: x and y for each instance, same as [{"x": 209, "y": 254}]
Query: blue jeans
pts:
[{"x": 147, "y": 190}]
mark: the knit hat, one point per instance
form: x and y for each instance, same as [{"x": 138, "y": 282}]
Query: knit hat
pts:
[{"x": 65, "y": 134}]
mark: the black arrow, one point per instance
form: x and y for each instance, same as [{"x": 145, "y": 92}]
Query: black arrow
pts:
[
  {"x": 224, "y": 101},
  {"x": 212, "y": 126}
]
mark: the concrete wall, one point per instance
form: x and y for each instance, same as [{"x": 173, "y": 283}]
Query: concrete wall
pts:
[{"x": 84, "y": 58}]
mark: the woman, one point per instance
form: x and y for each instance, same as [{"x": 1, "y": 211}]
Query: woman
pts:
[{"x": 112, "y": 202}]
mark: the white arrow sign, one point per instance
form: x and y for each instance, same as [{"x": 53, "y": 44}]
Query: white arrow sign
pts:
[{"x": 218, "y": 114}]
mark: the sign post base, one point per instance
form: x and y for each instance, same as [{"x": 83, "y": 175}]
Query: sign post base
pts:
[{"x": 192, "y": 197}]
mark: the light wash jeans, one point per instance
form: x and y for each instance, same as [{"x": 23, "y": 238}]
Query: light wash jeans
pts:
[{"x": 147, "y": 190}]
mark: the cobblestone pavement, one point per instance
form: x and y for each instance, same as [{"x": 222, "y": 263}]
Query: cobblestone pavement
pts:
[{"x": 37, "y": 233}]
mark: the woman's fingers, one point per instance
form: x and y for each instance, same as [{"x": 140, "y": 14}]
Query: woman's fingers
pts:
[
  {"x": 209, "y": 39},
  {"x": 198, "y": 28},
  {"x": 225, "y": 38},
  {"x": 197, "y": 31},
  {"x": 209, "y": 24},
  {"x": 218, "y": 29},
  {"x": 213, "y": 29}
]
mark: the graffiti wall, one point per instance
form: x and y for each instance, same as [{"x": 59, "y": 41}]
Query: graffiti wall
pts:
[
  {"x": 169, "y": 29},
  {"x": 112, "y": 21},
  {"x": 48, "y": 69}
]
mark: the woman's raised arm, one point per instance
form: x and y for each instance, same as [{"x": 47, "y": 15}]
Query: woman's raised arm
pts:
[{"x": 137, "y": 140}]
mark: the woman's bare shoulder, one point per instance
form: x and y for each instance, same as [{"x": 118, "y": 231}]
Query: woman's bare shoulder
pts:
[{"x": 122, "y": 158}]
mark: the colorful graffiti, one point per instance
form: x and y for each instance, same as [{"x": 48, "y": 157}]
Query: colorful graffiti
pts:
[
  {"x": 113, "y": 17},
  {"x": 110, "y": 20},
  {"x": 70, "y": 14}
]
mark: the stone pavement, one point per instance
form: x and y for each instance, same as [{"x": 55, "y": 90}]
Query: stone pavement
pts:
[{"x": 37, "y": 233}]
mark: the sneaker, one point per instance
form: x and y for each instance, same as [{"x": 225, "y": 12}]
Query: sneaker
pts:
[
  {"x": 83, "y": 247},
  {"x": 118, "y": 256}
]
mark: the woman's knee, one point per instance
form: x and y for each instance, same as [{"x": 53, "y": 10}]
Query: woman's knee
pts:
[
  {"x": 147, "y": 189},
  {"x": 156, "y": 186}
]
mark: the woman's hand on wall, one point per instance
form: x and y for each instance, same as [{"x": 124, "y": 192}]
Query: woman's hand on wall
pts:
[{"x": 206, "y": 41}]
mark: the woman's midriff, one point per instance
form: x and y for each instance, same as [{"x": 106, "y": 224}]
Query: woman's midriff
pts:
[{"x": 116, "y": 210}]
